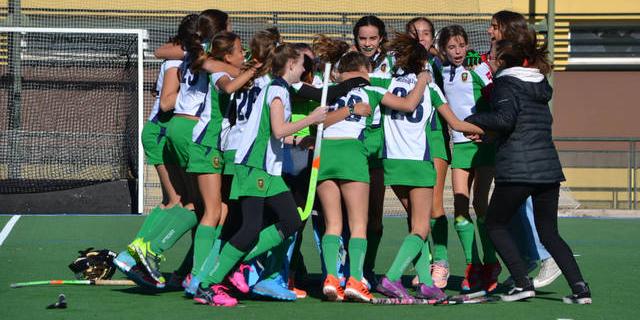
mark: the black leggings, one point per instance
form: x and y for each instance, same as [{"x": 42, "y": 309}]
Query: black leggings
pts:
[
  {"x": 252, "y": 209},
  {"x": 506, "y": 199}
]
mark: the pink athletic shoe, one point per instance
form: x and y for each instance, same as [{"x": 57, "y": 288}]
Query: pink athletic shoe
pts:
[
  {"x": 237, "y": 279},
  {"x": 215, "y": 295}
]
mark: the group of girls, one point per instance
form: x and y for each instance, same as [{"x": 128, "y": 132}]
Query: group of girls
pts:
[{"x": 231, "y": 134}]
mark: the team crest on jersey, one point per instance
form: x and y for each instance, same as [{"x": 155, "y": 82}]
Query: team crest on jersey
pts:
[
  {"x": 216, "y": 162},
  {"x": 465, "y": 76},
  {"x": 261, "y": 184}
]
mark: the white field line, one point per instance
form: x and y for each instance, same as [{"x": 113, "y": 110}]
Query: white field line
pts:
[{"x": 7, "y": 228}]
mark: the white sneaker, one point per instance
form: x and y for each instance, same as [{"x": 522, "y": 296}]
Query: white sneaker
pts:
[{"x": 549, "y": 272}]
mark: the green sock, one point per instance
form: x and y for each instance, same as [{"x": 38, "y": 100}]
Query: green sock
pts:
[
  {"x": 330, "y": 249},
  {"x": 151, "y": 223},
  {"x": 181, "y": 222},
  {"x": 440, "y": 236},
  {"x": 212, "y": 258},
  {"x": 269, "y": 237},
  {"x": 357, "y": 252},
  {"x": 409, "y": 249},
  {"x": 227, "y": 259},
  {"x": 467, "y": 237},
  {"x": 488, "y": 251},
  {"x": 202, "y": 246},
  {"x": 423, "y": 265},
  {"x": 373, "y": 243},
  {"x": 277, "y": 258}
]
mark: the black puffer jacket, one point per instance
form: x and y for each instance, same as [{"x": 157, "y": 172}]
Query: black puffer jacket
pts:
[{"x": 522, "y": 120}]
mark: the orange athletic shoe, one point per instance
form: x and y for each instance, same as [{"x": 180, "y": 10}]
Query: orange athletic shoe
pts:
[
  {"x": 332, "y": 289},
  {"x": 357, "y": 291},
  {"x": 300, "y": 294}
]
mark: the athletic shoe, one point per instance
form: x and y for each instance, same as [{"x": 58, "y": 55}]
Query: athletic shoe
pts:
[
  {"x": 131, "y": 247},
  {"x": 530, "y": 267},
  {"x": 140, "y": 276},
  {"x": 300, "y": 293},
  {"x": 332, "y": 289},
  {"x": 549, "y": 272},
  {"x": 124, "y": 261},
  {"x": 191, "y": 286},
  {"x": 490, "y": 273},
  {"x": 472, "y": 277},
  {"x": 370, "y": 279},
  {"x": 392, "y": 289},
  {"x": 273, "y": 288},
  {"x": 357, "y": 291},
  {"x": 518, "y": 293},
  {"x": 415, "y": 282},
  {"x": 215, "y": 295},
  {"x": 431, "y": 292},
  {"x": 238, "y": 280},
  {"x": 149, "y": 259},
  {"x": 580, "y": 296},
  {"x": 440, "y": 273}
]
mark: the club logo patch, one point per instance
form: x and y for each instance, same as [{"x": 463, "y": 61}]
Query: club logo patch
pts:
[
  {"x": 261, "y": 184},
  {"x": 216, "y": 162},
  {"x": 465, "y": 76}
]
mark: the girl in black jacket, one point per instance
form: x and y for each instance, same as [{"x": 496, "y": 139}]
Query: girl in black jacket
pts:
[{"x": 527, "y": 163}]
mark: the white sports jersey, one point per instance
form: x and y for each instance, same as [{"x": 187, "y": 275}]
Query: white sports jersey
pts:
[
  {"x": 193, "y": 90},
  {"x": 213, "y": 100},
  {"x": 405, "y": 134},
  {"x": 463, "y": 90},
  {"x": 166, "y": 65},
  {"x": 243, "y": 102},
  {"x": 258, "y": 148},
  {"x": 353, "y": 126}
]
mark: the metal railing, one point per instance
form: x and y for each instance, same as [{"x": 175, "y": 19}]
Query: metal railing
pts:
[{"x": 631, "y": 188}]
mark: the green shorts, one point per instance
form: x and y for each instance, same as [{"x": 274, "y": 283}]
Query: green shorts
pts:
[
  {"x": 438, "y": 146},
  {"x": 203, "y": 159},
  {"x": 254, "y": 182},
  {"x": 373, "y": 138},
  {"x": 179, "y": 133},
  {"x": 467, "y": 155},
  {"x": 413, "y": 173},
  {"x": 229, "y": 162},
  {"x": 343, "y": 159},
  {"x": 153, "y": 141}
]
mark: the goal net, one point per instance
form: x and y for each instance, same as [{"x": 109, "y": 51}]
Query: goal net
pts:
[{"x": 70, "y": 100}]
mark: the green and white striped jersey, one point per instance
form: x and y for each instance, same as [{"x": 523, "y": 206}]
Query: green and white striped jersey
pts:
[
  {"x": 405, "y": 134},
  {"x": 257, "y": 147},
  {"x": 463, "y": 90},
  {"x": 353, "y": 126},
  {"x": 156, "y": 113},
  {"x": 243, "y": 102},
  {"x": 212, "y": 123}
]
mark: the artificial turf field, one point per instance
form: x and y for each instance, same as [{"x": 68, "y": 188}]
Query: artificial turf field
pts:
[{"x": 41, "y": 247}]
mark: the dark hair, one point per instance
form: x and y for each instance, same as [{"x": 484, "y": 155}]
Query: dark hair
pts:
[
  {"x": 353, "y": 61},
  {"x": 382, "y": 32},
  {"x": 411, "y": 29},
  {"x": 410, "y": 55},
  {"x": 329, "y": 50},
  {"x": 309, "y": 63},
  {"x": 209, "y": 23},
  {"x": 523, "y": 51},
  {"x": 510, "y": 23},
  {"x": 449, "y": 32},
  {"x": 187, "y": 27},
  {"x": 281, "y": 55},
  {"x": 222, "y": 44}
]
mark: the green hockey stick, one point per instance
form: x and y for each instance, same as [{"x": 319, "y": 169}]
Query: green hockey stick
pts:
[
  {"x": 315, "y": 164},
  {"x": 74, "y": 282}
]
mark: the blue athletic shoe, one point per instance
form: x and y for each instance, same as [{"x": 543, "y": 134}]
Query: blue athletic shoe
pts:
[
  {"x": 124, "y": 261},
  {"x": 191, "y": 288},
  {"x": 274, "y": 288}
]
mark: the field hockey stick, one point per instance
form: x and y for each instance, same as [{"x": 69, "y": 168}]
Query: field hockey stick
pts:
[
  {"x": 469, "y": 298},
  {"x": 315, "y": 164},
  {"x": 74, "y": 282},
  {"x": 400, "y": 301}
]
